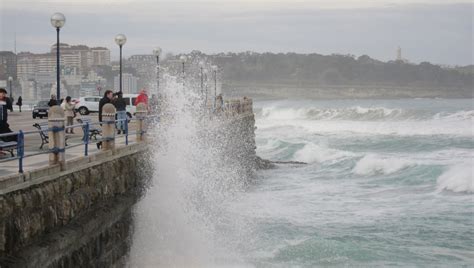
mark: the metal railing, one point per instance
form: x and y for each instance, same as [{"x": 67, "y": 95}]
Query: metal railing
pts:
[{"x": 19, "y": 147}]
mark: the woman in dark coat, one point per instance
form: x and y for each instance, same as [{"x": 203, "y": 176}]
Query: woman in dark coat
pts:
[{"x": 19, "y": 102}]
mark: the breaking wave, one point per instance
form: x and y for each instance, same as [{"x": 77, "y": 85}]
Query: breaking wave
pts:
[
  {"x": 312, "y": 153},
  {"x": 458, "y": 178},
  {"x": 374, "y": 164},
  {"x": 359, "y": 113}
]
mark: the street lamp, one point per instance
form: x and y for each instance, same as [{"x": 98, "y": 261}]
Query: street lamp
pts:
[
  {"x": 214, "y": 68},
  {"x": 57, "y": 21},
  {"x": 120, "y": 40},
  {"x": 10, "y": 80},
  {"x": 201, "y": 66},
  {"x": 157, "y": 53},
  {"x": 205, "y": 71},
  {"x": 183, "y": 59}
]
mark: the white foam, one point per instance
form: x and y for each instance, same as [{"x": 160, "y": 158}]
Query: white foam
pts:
[
  {"x": 458, "y": 178},
  {"x": 312, "y": 153},
  {"x": 375, "y": 164}
]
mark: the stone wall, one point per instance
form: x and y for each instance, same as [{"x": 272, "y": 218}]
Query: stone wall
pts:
[{"x": 33, "y": 210}]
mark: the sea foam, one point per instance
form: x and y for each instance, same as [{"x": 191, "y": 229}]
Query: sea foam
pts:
[
  {"x": 458, "y": 178},
  {"x": 312, "y": 153},
  {"x": 375, "y": 164}
]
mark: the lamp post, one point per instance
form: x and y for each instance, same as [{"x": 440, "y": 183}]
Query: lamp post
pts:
[
  {"x": 201, "y": 67},
  {"x": 214, "y": 68},
  {"x": 10, "y": 80},
  {"x": 205, "y": 95},
  {"x": 183, "y": 59},
  {"x": 57, "y": 21},
  {"x": 157, "y": 53},
  {"x": 120, "y": 40}
]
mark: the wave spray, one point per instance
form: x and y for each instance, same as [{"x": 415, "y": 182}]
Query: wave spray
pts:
[{"x": 183, "y": 220}]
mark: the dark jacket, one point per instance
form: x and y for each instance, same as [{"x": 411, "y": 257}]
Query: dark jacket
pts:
[
  {"x": 52, "y": 102},
  {"x": 120, "y": 104},
  {"x": 4, "y": 107},
  {"x": 19, "y": 102},
  {"x": 102, "y": 102}
]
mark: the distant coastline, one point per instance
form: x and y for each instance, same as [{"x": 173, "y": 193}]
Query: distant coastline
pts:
[{"x": 263, "y": 90}]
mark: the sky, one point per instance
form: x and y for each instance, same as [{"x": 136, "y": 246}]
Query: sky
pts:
[{"x": 427, "y": 30}]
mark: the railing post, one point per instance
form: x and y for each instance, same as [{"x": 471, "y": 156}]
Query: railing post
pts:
[
  {"x": 20, "y": 150},
  {"x": 57, "y": 138},
  {"x": 126, "y": 130},
  {"x": 86, "y": 139},
  {"x": 108, "y": 127},
  {"x": 140, "y": 114}
]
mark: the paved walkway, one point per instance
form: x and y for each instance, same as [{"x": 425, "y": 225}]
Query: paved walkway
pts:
[{"x": 24, "y": 121}]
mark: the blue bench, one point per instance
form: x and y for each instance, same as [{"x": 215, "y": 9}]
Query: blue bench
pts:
[{"x": 9, "y": 146}]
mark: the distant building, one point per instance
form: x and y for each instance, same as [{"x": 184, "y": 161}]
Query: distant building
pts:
[
  {"x": 129, "y": 83},
  {"x": 84, "y": 57},
  {"x": 8, "y": 62},
  {"x": 100, "y": 56}
]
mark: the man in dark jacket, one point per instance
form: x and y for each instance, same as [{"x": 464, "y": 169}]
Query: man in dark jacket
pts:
[
  {"x": 5, "y": 105},
  {"x": 108, "y": 96},
  {"x": 121, "y": 107},
  {"x": 52, "y": 102}
]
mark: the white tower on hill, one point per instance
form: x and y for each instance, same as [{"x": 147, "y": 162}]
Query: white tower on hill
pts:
[{"x": 399, "y": 54}]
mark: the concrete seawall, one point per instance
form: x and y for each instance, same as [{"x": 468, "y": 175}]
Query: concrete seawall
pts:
[
  {"x": 88, "y": 202},
  {"x": 82, "y": 217}
]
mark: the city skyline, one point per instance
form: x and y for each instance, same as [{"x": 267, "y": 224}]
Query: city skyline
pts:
[{"x": 321, "y": 27}]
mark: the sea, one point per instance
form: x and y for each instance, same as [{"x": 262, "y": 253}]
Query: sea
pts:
[{"x": 366, "y": 183}]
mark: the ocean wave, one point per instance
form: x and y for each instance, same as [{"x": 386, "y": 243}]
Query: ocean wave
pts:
[
  {"x": 358, "y": 113},
  {"x": 312, "y": 153},
  {"x": 458, "y": 178},
  {"x": 374, "y": 164}
]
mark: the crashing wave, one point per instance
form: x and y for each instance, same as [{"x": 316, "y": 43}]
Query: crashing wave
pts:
[
  {"x": 358, "y": 113},
  {"x": 458, "y": 178},
  {"x": 373, "y": 164}
]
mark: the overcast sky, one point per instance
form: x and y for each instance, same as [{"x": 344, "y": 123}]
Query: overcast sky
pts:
[{"x": 427, "y": 30}]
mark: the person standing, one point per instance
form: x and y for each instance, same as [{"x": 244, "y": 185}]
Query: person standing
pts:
[
  {"x": 5, "y": 105},
  {"x": 142, "y": 98},
  {"x": 52, "y": 101},
  {"x": 69, "y": 113},
  {"x": 19, "y": 102},
  {"x": 121, "y": 107},
  {"x": 108, "y": 96}
]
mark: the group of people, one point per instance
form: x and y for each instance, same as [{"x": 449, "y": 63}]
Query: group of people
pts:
[{"x": 69, "y": 107}]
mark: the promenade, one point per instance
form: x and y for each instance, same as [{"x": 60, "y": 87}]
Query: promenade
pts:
[{"x": 24, "y": 121}]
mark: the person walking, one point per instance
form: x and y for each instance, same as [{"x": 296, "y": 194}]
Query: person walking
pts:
[
  {"x": 52, "y": 101},
  {"x": 5, "y": 105},
  {"x": 121, "y": 107},
  {"x": 19, "y": 102},
  {"x": 69, "y": 113}
]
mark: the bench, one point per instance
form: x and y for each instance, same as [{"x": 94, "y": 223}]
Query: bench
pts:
[
  {"x": 93, "y": 129},
  {"x": 9, "y": 146},
  {"x": 43, "y": 132}
]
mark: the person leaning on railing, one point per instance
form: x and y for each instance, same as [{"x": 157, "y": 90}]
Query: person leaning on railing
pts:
[{"x": 5, "y": 105}]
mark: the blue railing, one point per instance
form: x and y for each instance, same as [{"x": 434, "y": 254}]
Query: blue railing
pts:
[{"x": 19, "y": 145}]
